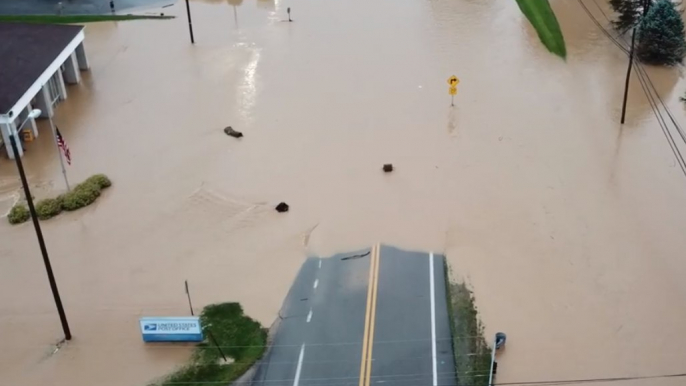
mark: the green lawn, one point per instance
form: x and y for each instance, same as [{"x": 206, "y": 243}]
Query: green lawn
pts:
[
  {"x": 242, "y": 339},
  {"x": 542, "y": 17},
  {"x": 74, "y": 19}
]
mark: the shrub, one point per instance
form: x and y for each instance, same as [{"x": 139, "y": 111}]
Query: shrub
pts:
[
  {"x": 100, "y": 180},
  {"x": 49, "y": 208},
  {"x": 660, "y": 35},
  {"x": 82, "y": 195},
  {"x": 18, "y": 214}
]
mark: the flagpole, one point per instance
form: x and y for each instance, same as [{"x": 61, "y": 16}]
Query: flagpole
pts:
[{"x": 59, "y": 154}]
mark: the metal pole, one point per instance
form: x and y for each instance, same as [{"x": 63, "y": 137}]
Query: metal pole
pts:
[
  {"x": 214, "y": 341},
  {"x": 188, "y": 293},
  {"x": 490, "y": 375},
  {"x": 39, "y": 235},
  {"x": 59, "y": 154},
  {"x": 190, "y": 23},
  {"x": 628, "y": 75},
  {"x": 452, "y": 100}
]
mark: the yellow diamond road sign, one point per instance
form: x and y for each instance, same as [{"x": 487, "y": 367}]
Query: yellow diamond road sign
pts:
[{"x": 453, "y": 81}]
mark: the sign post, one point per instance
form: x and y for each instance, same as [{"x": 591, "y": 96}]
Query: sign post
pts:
[{"x": 452, "y": 90}]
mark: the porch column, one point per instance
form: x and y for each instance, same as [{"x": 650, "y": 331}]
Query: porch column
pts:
[
  {"x": 60, "y": 84},
  {"x": 71, "y": 70},
  {"x": 81, "y": 57},
  {"x": 44, "y": 103},
  {"x": 6, "y": 129}
]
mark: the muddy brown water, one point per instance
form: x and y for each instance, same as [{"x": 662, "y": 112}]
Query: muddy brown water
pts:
[{"x": 567, "y": 225}]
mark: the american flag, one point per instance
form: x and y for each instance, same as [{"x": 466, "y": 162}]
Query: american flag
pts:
[{"x": 62, "y": 144}]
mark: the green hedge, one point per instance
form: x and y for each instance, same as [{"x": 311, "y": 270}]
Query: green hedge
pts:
[
  {"x": 81, "y": 195},
  {"x": 18, "y": 214},
  {"x": 49, "y": 208}
]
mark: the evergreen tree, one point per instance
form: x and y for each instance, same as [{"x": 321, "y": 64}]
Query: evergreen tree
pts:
[
  {"x": 660, "y": 35},
  {"x": 629, "y": 12}
]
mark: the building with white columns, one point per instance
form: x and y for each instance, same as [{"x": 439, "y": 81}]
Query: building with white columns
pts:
[{"x": 36, "y": 63}]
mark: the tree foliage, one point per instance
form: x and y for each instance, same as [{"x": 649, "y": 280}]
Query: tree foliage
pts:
[
  {"x": 660, "y": 35},
  {"x": 628, "y": 13}
]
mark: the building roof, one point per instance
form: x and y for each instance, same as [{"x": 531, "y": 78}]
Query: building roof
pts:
[{"x": 26, "y": 51}]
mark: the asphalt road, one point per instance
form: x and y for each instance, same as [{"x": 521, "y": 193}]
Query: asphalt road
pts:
[{"x": 363, "y": 318}]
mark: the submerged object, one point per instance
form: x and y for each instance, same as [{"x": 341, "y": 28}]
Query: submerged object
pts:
[
  {"x": 500, "y": 339},
  {"x": 228, "y": 130}
]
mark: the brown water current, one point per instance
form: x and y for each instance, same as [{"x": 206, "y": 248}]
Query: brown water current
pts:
[{"x": 568, "y": 226}]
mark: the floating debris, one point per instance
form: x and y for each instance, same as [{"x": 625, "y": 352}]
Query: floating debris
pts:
[
  {"x": 282, "y": 207},
  {"x": 230, "y": 131},
  {"x": 388, "y": 168}
]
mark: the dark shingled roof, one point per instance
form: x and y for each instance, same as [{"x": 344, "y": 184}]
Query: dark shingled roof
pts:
[{"x": 26, "y": 50}]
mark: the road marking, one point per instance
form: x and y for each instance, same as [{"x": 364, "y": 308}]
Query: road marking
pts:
[
  {"x": 300, "y": 366},
  {"x": 370, "y": 315},
  {"x": 433, "y": 317},
  {"x": 316, "y": 283},
  {"x": 309, "y": 316},
  {"x": 320, "y": 263},
  {"x": 372, "y": 322}
]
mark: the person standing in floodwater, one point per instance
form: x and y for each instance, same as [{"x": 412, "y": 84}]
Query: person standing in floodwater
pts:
[{"x": 112, "y": 6}]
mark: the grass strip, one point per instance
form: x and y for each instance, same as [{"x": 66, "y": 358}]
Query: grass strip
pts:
[
  {"x": 543, "y": 19},
  {"x": 241, "y": 338},
  {"x": 471, "y": 352},
  {"x": 75, "y": 19}
]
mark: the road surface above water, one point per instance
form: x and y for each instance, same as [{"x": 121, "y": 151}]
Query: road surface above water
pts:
[
  {"x": 568, "y": 226},
  {"x": 376, "y": 316}
]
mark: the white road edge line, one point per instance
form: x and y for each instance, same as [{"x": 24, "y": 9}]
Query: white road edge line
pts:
[
  {"x": 320, "y": 263},
  {"x": 316, "y": 283},
  {"x": 433, "y": 318},
  {"x": 300, "y": 366},
  {"x": 309, "y": 316}
]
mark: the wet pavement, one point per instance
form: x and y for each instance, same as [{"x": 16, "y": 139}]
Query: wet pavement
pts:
[
  {"x": 371, "y": 308},
  {"x": 567, "y": 225}
]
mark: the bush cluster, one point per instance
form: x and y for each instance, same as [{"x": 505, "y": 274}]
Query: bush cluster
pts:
[
  {"x": 18, "y": 214},
  {"x": 49, "y": 208},
  {"x": 81, "y": 195}
]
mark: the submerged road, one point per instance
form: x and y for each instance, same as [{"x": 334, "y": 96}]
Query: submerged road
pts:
[{"x": 372, "y": 317}]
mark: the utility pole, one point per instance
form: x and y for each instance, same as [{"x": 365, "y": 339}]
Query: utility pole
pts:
[
  {"x": 190, "y": 23},
  {"x": 646, "y": 6},
  {"x": 39, "y": 235},
  {"x": 628, "y": 75}
]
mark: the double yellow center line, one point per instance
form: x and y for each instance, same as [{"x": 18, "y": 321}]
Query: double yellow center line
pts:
[{"x": 370, "y": 316}]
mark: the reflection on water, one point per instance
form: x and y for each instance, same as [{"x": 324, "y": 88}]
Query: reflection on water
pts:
[
  {"x": 567, "y": 225},
  {"x": 248, "y": 88}
]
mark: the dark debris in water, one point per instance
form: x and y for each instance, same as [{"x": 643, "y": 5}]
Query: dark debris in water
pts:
[{"x": 228, "y": 130}]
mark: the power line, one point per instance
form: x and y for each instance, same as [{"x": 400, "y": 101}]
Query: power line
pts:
[
  {"x": 641, "y": 73},
  {"x": 325, "y": 381},
  {"x": 190, "y": 346},
  {"x": 640, "y": 68}
]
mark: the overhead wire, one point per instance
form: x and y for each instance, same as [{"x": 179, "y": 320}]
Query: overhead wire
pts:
[
  {"x": 642, "y": 69},
  {"x": 415, "y": 378},
  {"x": 644, "y": 80}
]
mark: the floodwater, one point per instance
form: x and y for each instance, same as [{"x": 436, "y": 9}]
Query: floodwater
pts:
[{"x": 567, "y": 225}]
